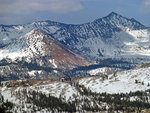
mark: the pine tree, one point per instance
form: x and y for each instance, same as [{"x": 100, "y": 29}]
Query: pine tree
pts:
[{"x": 148, "y": 84}]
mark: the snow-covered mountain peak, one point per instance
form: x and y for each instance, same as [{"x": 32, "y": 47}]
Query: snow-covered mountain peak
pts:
[
  {"x": 119, "y": 21},
  {"x": 113, "y": 14},
  {"x": 35, "y": 33},
  {"x": 39, "y": 47}
]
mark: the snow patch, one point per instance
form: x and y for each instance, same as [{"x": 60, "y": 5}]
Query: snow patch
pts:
[
  {"x": 121, "y": 82},
  {"x": 53, "y": 62}
]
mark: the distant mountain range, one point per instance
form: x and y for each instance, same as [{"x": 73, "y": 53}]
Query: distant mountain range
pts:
[
  {"x": 49, "y": 44},
  {"x": 113, "y": 36},
  {"x": 100, "y": 66}
]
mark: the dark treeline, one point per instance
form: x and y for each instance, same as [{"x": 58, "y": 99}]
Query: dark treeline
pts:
[{"x": 86, "y": 100}]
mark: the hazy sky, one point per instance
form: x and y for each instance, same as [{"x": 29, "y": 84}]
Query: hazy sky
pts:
[{"x": 71, "y": 11}]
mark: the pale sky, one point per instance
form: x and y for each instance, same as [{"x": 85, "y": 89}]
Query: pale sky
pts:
[{"x": 71, "y": 11}]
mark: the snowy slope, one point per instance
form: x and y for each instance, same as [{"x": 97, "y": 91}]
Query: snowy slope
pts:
[
  {"x": 128, "y": 86},
  {"x": 126, "y": 82},
  {"x": 54, "y": 88},
  {"x": 103, "y": 71},
  {"x": 57, "y": 89},
  {"x": 27, "y": 45},
  {"x": 120, "y": 82}
]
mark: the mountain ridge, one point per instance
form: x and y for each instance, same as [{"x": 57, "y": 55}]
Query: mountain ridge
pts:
[{"x": 55, "y": 22}]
